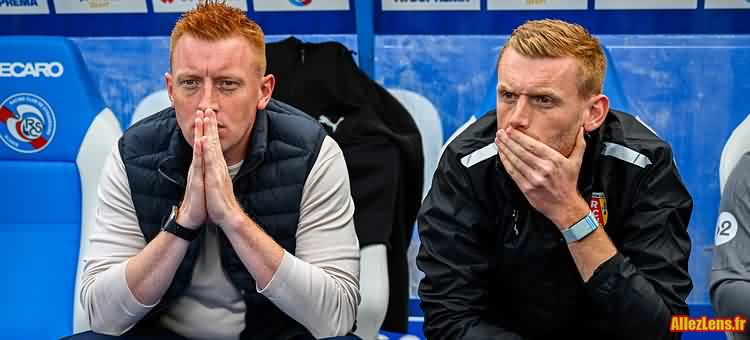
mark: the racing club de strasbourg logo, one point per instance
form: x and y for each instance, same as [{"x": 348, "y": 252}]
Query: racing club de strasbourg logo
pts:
[
  {"x": 27, "y": 123},
  {"x": 300, "y": 3}
]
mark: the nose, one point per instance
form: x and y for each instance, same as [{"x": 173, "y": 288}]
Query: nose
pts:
[
  {"x": 209, "y": 97},
  {"x": 520, "y": 113}
]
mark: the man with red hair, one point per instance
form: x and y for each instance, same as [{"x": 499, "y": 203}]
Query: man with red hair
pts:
[
  {"x": 554, "y": 216},
  {"x": 227, "y": 215}
]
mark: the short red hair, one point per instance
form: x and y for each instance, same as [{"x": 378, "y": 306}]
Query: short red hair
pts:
[
  {"x": 215, "y": 20},
  {"x": 551, "y": 38}
]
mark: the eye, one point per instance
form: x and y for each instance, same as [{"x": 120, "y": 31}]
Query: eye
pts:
[
  {"x": 544, "y": 100},
  {"x": 228, "y": 85},
  {"x": 507, "y": 96},
  {"x": 189, "y": 84}
]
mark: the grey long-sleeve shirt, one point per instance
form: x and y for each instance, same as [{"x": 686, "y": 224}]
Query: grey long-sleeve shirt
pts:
[
  {"x": 318, "y": 286},
  {"x": 730, "y": 270}
]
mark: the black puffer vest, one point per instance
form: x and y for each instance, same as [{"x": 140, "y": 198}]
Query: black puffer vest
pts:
[{"x": 284, "y": 146}]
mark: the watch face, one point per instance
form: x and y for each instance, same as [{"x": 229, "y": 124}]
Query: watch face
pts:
[
  {"x": 172, "y": 216},
  {"x": 171, "y": 226}
]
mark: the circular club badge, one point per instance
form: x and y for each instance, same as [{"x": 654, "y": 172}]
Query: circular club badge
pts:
[{"x": 27, "y": 122}]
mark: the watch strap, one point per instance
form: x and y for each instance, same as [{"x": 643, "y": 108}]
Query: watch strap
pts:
[
  {"x": 175, "y": 228},
  {"x": 581, "y": 229}
]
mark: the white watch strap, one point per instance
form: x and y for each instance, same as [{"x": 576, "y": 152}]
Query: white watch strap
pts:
[{"x": 581, "y": 229}]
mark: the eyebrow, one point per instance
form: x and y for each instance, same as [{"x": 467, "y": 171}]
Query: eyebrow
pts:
[
  {"x": 533, "y": 93},
  {"x": 183, "y": 76}
]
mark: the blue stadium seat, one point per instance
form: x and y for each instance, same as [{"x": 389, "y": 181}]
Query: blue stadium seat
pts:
[{"x": 55, "y": 133}]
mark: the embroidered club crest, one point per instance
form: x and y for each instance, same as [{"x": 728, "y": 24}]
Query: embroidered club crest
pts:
[{"x": 598, "y": 206}]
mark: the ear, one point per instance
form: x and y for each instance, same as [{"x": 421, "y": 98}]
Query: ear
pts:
[
  {"x": 598, "y": 109},
  {"x": 266, "y": 89},
  {"x": 169, "y": 82}
]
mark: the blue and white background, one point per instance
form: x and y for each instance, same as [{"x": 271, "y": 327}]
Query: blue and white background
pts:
[{"x": 681, "y": 66}]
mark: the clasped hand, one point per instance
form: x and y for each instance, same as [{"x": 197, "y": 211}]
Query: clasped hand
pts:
[{"x": 209, "y": 194}]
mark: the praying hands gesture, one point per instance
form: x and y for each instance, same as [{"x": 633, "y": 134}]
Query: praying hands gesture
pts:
[
  {"x": 209, "y": 197},
  {"x": 209, "y": 194}
]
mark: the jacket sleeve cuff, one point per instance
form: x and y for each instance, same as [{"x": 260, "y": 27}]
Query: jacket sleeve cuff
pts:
[{"x": 606, "y": 276}]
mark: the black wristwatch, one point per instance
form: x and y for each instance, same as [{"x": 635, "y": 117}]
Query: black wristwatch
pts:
[{"x": 172, "y": 227}]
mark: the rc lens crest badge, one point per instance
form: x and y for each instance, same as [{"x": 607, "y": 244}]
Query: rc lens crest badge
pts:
[{"x": 598, "y": 206}]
